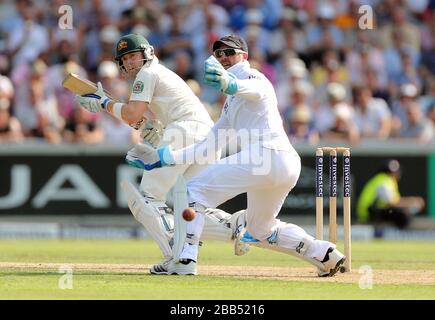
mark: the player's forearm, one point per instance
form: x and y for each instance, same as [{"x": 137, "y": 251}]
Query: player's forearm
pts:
[
  {"x": 125, "y": 112},
  {"x": 250, "y": 89}
]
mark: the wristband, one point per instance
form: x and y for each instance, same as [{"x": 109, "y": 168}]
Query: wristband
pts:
[
  {"x": 116, "y": 110},
  {"x": 105, "y": 103}
]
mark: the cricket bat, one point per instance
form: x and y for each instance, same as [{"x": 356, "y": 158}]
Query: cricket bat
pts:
[{"x": 81, "y": 86}]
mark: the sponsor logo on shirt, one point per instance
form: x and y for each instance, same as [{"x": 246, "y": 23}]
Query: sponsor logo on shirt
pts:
[
  {"x": 226, "y": 107},
  {"x": 138, "y": 87}
]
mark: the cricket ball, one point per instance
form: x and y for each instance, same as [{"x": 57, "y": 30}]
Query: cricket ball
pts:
[{"x": 189, "y": 214}]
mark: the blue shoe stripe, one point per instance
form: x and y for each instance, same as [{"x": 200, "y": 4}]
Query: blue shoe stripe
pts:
[{"x": 248, "y": 238}]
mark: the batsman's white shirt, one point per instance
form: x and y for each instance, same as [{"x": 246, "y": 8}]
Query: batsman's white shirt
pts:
[
  {"x": 253, "y": 108},
  {"x": 169, "y": 97},
  {"x": 182, "y": 114}
]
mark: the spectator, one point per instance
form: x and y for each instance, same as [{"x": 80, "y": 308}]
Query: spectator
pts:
[
  {"x": 324, "y": 35},
  {"x": 10, "y": 127},
  {"x": 287, "y": 36},
  {"x": 394, "y": 55},
  {"x": 256, "y": 36},
  {"x": 380, "y": 200},
  {"x": 299, "y": 99},
  {"x": 372, "y": 117},
  {"x": 407, "y": 94},
  {"x": 372, "y": 81},
  {"x": 117, "y": 132},
  {"x": 182, "y": 65},
  {"x": 427, "y": 62},
  {"x": 83, "y": 128},
  {"x": 400, "y": 23},
  {"x": 431, "y": 113},
  {"x": 176, "y": 39},
  {"x": 335, "y": 121},
  {"x": 28, "y": 39},
  {"x": 48, "y": 122},
  {"x": 108, "y": 74},
  {"x": 363, "y": 58},
  {"x": 299, "y": 128},
  {"x": 33, "y": 97},
  {"x": 408, "y": 72},
  {"x": 108, "y": 37},
  {"x": 419, "y": 128},
  {"x": 294, "y": 70},
  {"x": 53, "y": 84},
  {"x": 427, "y": 100},
  {"x": 331, "y": 70},
  {"x": 270, "y": 10},
  {"x": 259, "y": 62}
]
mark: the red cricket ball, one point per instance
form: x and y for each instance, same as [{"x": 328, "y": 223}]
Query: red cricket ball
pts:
[{"x": 189, "y": 214}]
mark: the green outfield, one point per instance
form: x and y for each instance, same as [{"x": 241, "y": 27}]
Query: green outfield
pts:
[{"x": 117, "y": 269}]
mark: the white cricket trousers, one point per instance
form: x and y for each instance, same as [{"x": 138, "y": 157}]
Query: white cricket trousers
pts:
[
  {"x": 266, "y": 191},
  {"x": 266, "y": 188}
]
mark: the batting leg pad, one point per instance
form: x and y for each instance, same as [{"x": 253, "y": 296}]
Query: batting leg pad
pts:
[
  {"x": 153, "y": 216},
  {"x": 217, "y": 225},
  {"x": 180, "y": 226},
  {"x": 287, "y": 243}
]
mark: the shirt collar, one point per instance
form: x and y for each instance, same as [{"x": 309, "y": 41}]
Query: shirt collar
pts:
[{"x": 239, "y": 67}]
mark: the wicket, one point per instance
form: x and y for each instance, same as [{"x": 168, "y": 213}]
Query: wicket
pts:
[{"x": 333, "y": 198}]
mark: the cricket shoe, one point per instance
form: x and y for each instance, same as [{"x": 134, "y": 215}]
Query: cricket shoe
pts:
[
  {"x": 242, "y": 241},
  {"x": 332, "y": 262},
  {"x": 182, "y": 267},
  {"x": 161, "y": 268}
]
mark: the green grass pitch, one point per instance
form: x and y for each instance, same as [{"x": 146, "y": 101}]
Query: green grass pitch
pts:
[{"x": 117, "y": 269}]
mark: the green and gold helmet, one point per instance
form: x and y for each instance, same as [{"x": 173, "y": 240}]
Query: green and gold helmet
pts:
[{"x": 132, "y": 43}]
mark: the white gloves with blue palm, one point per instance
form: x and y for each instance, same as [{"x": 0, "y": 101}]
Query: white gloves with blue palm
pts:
[
  {"x": 219, "y": 78},
  {"x": 94, "y": 102},
  {"x": 145, "y": 157}
]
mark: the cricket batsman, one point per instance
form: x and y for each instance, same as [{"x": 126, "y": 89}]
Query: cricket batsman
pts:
[{"x": 167, "y": 112}]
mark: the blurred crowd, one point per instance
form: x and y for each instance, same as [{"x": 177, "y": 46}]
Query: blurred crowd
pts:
[{"x": 335, "y": 78}]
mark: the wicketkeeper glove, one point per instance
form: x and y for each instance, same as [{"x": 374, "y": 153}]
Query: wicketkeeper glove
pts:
[
  {"x": 145, "y": 157},
  {"x": 216, "y": 76},
  {"x": 94, "y": 102}
]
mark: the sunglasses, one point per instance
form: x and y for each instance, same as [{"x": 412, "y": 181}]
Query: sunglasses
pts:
[{"x": 228, "y": 52}]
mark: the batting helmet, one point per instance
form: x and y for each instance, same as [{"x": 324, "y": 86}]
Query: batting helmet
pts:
[{"x": 133, "y": 43}]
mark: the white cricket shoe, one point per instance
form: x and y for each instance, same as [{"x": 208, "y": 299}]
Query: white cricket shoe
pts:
[
  {"x": 161, "y": 267},
  {"x": 332, "y": 262},
  {"x": 182, "y": 267}
]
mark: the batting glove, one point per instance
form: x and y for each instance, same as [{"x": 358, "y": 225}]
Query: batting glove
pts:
[
  {"x": 94, "y": 102},
  {"x": 151, "y": 132},
  {"x": 145, "y": 157},
  {"x": 216, "y": 76}
]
